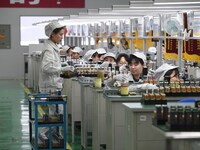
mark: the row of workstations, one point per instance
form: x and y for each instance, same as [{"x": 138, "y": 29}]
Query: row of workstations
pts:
[{"x": 115, "y": 122}]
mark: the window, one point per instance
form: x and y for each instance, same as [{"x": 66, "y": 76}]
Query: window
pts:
[{"x": 32, "y": 28}]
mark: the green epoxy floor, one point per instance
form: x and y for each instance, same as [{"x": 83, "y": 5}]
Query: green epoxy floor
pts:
[{"x": 14, "y": 128}]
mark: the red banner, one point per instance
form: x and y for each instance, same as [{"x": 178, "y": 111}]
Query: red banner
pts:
[{"x": 42, "y": 3}]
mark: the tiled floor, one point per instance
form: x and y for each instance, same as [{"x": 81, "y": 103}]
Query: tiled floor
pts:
[{"x": 14, "y": 128}]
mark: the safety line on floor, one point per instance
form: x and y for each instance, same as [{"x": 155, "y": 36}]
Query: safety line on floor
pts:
[
  {"x": 28, "y": 92},
  {"x": 40, "y": 110}
]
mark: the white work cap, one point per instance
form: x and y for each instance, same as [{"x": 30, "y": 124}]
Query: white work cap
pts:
[
  {"x": 77, "y": 50},
  {"x": 160, "y": 72},
  {"x": 65, "y": 48},
  {"x": 88, "y": 54},
  {"x": 152, "y": 50},
  {"x": 52, "y": 26},
  {"x": 140, "y": 55},
  {"x": 101, "y": 51},
  {"x": 109, "y": 54}
]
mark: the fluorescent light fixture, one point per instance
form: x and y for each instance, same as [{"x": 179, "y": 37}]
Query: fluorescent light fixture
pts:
[
  {"x": 93, "y": 11},
  {"x": 165, "y": 7},
  {"x": 176, "y": 3},
  {"x": 141, "y": 2},
  {"x": 82, "y": 13},
  {"x": 105, "y": 10},
  {"x": 46, "y": 20},
  {"x": 120, "y": 6}
]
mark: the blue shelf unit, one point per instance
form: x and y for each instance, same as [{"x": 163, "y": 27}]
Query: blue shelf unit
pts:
[{"x": 52, "y": 126}]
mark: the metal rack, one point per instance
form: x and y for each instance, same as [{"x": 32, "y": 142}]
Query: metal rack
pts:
[{"x": 35, "y": 123}]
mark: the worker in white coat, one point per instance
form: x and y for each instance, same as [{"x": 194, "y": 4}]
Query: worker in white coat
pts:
[
  {"x": 167, "y": 72},
  {"x": 76, "y": 52},
  {"x": 50, "y": 69},
  {"x": 136, "y": 64},
  {"x": 109, "y": 58}
]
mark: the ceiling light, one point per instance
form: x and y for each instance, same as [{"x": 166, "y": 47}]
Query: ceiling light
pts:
[{"x": 177, "y": 3}]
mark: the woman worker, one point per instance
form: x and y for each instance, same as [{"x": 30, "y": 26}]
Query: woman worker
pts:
[
  {"x": 50, "y": 69},
  {"x": 76, "y": 53},
  {"x": 122, "y": 62},
  {"x": 68, "y": 51},
  {"x": 136, "y": 64},
  {"x": 167, "y": 72},
  {"x": 109, "y": 58}
]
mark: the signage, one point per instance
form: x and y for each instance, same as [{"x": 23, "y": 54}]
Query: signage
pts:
[
  {"x": 4, "y": 36},
  {"x": 42, "y": 3}
]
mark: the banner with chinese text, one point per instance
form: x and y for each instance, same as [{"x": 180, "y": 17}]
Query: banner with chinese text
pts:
[
  {"x": 192, "y": 50},
  {"x": 171, "y": 49},
  {"x": 42, "y": 3}
]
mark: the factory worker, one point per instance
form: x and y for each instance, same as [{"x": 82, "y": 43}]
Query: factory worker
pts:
[
  {"x": 76, "y": 52},
  {"x": 88, "y": 54},
  {"x": 122, "y": 62},
  {"x": 152, "y": 53},
  {"x": 109, "y": 58},
  {"x": 68, "y": 50},
  {"x": 101, "y": 52},
  {"x": 50, "y": 69},
  {"x": 95, "y": 57},
  {"x": 136, "y": 64},
  {"x": 122, "y": 59},
  {"x": 167, "y": 72}
]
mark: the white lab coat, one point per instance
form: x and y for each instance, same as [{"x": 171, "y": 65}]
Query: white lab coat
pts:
[
  {"x": 130, "y": 79},
  {"x": 50, "y": 69}
]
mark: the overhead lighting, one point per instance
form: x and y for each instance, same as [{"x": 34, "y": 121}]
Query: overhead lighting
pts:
[
  {"x": 93, "y": 11},
  {"x": 141, "y": 2},
  {"x": 165, "y": 7},
  {"x": 176, "y": 3},
  {"x": 105, "y": 10},
  {"x": 120, "y": 6}
]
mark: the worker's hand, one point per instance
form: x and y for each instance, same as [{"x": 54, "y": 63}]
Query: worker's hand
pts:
[
  {"x": 104, "y": 64},
  {"x": 121, "y": 77},
  {"x": 123, "y": 68},
  {"x": 63, "y": 64},
  {"x": 150, "y": 73},
  {"x": 67, "y": 68}
]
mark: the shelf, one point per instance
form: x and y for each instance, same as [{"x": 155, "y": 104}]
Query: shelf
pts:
[{"x": 53, "y": 123}]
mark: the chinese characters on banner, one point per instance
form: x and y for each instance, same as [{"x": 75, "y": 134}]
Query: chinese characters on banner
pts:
[
  {"x": 42, "y": 3},
  {"x": 171, "y": 49},
  {"x": 191, "y": 50}
]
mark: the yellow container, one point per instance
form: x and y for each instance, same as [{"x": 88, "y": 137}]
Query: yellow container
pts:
[
  {"x": 124, "y": 89},
  {"x": 100, "y": 74},
  {"x": 98, "y": 82}
]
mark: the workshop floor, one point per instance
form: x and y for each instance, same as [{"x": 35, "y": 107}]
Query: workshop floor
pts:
[{"x": 14, "y": 128}]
